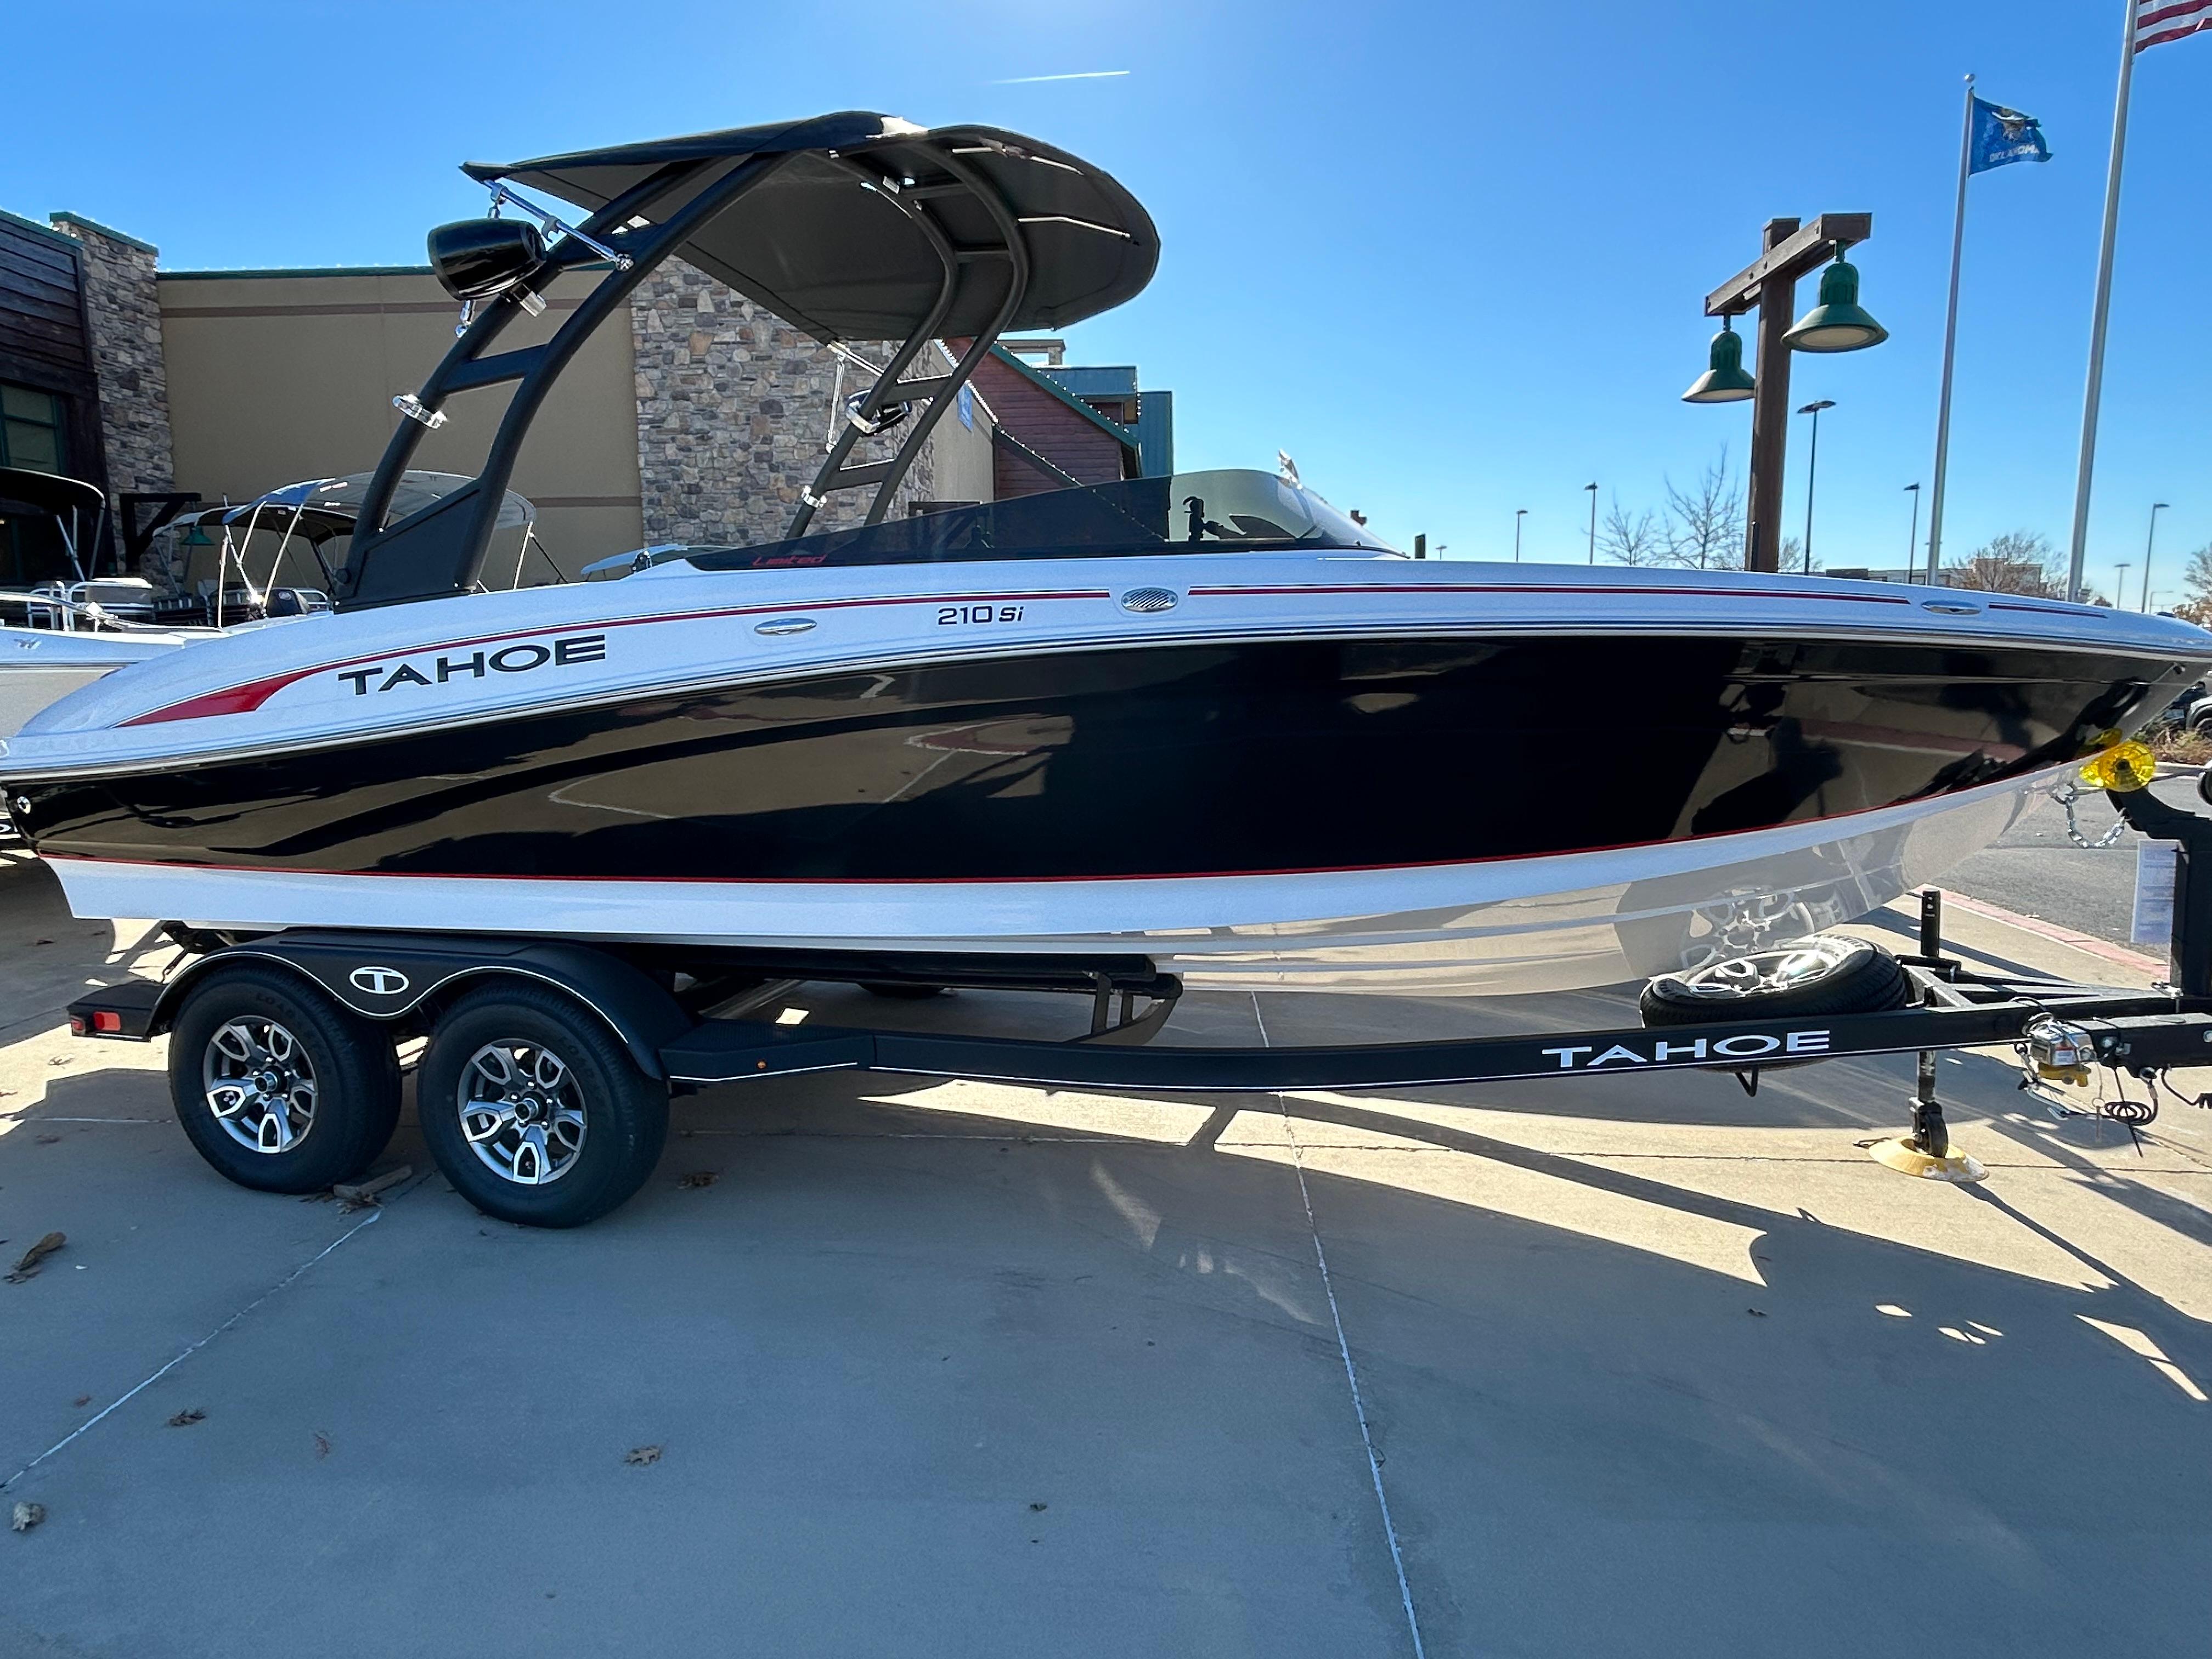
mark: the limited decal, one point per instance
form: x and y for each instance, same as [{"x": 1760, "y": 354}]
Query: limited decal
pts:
[
  {"x": 518, "y": 659},
  {"x": 1749, "y": 1045}
]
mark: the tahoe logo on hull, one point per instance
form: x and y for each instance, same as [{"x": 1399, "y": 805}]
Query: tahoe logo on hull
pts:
[{"x": 518, "y": 659}]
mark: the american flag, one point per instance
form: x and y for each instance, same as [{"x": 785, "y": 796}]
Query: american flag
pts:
[{"x": 2158, "y": 23}]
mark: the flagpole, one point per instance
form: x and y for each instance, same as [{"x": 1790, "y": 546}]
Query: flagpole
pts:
[
  {"x": 2094, "y": 389},
  {"x": 1950, "y": 341}
]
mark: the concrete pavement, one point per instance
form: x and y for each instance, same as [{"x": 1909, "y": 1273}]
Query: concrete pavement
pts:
[{"x": 1602, "y": 1365}]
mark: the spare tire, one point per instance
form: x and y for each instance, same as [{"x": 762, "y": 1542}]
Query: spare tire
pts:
[{"x": 1824, "y": 974}]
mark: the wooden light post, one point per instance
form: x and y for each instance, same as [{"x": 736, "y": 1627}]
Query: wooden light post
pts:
[{"x": 1769, "y": 286}]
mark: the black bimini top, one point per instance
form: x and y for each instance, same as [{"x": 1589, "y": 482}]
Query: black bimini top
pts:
[
  {"x": 48, "y": 492},
  {"x": 853, "y": 227},
  {"x": 319, "y": 510},
  {"x": 796, "y": 245}
]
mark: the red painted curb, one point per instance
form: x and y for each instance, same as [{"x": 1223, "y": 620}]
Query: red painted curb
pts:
[{"x": 2067, "y": 936}]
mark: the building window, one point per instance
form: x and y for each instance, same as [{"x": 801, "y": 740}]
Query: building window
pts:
[
  {"x": 31, "y": 548},
  {"x": 30, "y": 428}
]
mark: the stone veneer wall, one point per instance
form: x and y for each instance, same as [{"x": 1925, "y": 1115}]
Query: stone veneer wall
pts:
[
  {"x": 733, "y": 412},
  {"x": 127, "y": 342}
]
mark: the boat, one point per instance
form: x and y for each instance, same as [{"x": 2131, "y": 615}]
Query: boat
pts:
[
  {"x": 61, "y": 633},
  {"x": 61, "y": 628},
  {"x": 291, "y": 536},
  {"x": 1207, "y": 721}
]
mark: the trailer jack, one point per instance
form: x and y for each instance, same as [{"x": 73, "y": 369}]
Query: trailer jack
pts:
[{"x": 1926, "y": 1151}]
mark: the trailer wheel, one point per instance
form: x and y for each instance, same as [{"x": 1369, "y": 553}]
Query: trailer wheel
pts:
[
  {"x": 1825, "y": 973},
  {"x": 276, "y": 1084},
  {"x": 534, "y": 1111}
]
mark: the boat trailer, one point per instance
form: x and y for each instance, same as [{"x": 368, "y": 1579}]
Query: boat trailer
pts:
[{"x": 709, "y": 1022}]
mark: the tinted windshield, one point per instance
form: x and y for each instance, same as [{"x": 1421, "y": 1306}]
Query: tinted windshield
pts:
[{"x": 1190, "y": 511}]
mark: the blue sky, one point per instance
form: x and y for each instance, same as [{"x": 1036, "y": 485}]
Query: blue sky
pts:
[{"x": 1449, "y": 256}]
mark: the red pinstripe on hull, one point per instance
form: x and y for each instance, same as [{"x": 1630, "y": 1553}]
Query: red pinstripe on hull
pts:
[
  {"x": 248, "y": 696},
  {"x": 251, "y": 695},
  {"x": 245, "y": 698},
  {"x": 1023, "y": 881},
  {"x": 1578, "y": 588}
]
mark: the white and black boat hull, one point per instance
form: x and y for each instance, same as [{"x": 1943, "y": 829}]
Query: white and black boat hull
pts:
[
  {"x": 1558, "y": 922},
  {"x": 1305, "y": 773}
]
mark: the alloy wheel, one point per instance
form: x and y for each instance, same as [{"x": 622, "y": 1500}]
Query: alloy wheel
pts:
[
  {"x": 260, "y": 1084},
  {"x": 1777, "y": 968},
  {"x": 521, "y": 1112}
]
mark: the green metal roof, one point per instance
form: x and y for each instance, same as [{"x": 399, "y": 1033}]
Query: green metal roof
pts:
[
  {"x": 298, "y": 270},
  {"x": 1126, "y": 435}
]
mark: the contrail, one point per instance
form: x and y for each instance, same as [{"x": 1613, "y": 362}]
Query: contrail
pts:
[{"x": 1083, "y": 74}]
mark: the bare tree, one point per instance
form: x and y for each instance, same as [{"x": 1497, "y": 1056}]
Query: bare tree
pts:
[
  {"x": 1792, "y": 557},
  {"x": 2017, "y": 562},
  {"x": 2197, "y": 578},
  {"x": 1704, "y": 522},
  {"x": 1639, "y": 540}
]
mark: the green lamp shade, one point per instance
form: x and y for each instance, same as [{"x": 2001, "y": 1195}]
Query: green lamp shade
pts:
[
  {"x": 1838, "y": 322},
  {"x": 1724, "y": 380}
]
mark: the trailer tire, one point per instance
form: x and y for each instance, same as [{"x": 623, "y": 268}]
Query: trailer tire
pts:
[
  {"x": 1825, "y": 973},
  {"x": 277, "y": 1084},
  {"x": 534, "y": 1110}
]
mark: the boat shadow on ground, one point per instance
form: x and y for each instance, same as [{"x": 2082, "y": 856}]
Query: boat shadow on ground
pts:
[
  {"x": 51, "y": 956},
  {"x": 1644, "y": 1405},
  {"x": 1549, "y": 1346},
  {"x": 1863, "y": 1095},
  {"x": 1853, "y": 1100}
]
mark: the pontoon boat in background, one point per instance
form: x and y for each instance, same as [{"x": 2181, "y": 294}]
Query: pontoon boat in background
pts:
[
  {"x": 264, "y": 560},
  {"x": 277, "y": 555},
  {"x": 1206, "y": 719},
  {"x": 60, "y": 627}
]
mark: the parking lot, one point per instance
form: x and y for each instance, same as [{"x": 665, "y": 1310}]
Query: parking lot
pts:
[{"x": 890, "y": 1367}]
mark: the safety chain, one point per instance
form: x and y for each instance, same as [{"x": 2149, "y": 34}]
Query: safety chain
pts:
[{"x": 2066, "y": 792}]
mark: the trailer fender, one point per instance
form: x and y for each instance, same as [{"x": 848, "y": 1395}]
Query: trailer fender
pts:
[{"x": 388, "y": 977}]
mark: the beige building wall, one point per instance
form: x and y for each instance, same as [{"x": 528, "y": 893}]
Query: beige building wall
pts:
[
  {"x": 275, "y": 377},
  {"x": 962, "y": 447},
  {"x": 700, "y": 421}
]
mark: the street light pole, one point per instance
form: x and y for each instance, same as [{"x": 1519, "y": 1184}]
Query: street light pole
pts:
[
  {"x": 1813, "y": 472},
  {"x": 2120, "y": 583},
  {"x": 1769, "y": 286},
  {"x": 1593, "y": 495},
  {"x": 1912, "y": 541},
  {"x": 2149, "y": 541},
  {"x": 1519, "y": 513}
]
